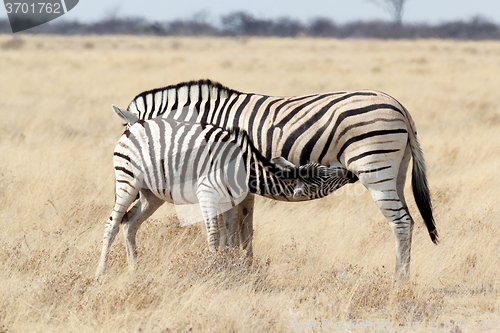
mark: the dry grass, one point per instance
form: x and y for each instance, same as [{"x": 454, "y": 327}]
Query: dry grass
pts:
[{"x": 329, "y": 259}]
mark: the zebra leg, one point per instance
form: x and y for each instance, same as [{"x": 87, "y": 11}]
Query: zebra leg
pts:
[
  {"x": 125, "y": 195},
  {"x": 231, "y": 228},
  {"x": 387, "y": 189},
  {"x": 245, "y": 223},
  {"x": 400, "y": 222},
  {"x": 142, "y": 210},
  {"x": 209, "y": 204},
  {"x": 400, "y": 186},
  {"x": 222, "y": 231}
]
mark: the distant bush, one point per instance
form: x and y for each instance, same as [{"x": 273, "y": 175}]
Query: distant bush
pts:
[{"x": 244, "y": 24}]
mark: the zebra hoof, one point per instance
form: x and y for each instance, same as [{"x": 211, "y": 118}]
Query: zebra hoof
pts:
[{"x": 99, "y": 274}]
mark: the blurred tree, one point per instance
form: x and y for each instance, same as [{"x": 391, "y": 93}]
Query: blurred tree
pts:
[{"x": 394, "y": 7}]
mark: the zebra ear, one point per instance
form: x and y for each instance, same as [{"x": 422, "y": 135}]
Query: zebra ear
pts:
[
  {"x": 282, "y": 162},
  {"x": 128, "y": 116}
]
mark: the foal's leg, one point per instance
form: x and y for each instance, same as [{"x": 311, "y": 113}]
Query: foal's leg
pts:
[
  {"x": 145, "y": 207},
  {"x": 126, "y": 193}
]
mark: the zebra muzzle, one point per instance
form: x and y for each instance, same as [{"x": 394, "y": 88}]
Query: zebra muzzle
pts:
[{"x": 298, "y": 191}]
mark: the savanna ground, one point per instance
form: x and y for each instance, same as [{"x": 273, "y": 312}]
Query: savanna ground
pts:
[{"x": 329, "y": 259}]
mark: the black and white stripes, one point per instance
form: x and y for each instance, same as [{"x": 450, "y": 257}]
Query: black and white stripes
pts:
[
  {"x": 366, "y": 135},
  {"x": 187, "y": 163}
]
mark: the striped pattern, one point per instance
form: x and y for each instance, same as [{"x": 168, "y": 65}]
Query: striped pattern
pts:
[
  {"x": 367, "y": 134},
  {"x": 187, "y": 163}
]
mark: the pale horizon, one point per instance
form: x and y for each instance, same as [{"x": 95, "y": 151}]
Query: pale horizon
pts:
[{"x": 421, "y": 11}]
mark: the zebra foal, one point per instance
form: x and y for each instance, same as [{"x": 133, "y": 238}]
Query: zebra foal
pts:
[{"x": 163, "y": 160}]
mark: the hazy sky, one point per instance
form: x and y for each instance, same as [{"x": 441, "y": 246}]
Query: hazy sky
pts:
[{"x": 341, "y": 11}]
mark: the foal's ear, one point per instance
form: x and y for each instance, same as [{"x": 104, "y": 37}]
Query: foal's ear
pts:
[
  {"x": 125, "y": 115},
  {"x": 282, "y": 162}
]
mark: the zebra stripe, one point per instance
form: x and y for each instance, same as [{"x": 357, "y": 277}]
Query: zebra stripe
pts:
[
  {"x": 367, "y": 134},
  {"x": 185, "y": 163}
]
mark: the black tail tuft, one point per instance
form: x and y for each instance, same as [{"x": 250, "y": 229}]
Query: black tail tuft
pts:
[{"x": 422, "y": 197}]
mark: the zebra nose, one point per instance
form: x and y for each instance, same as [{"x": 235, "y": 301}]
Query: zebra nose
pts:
[
  {"x": 298, "y": 190},
  {"x": 298, "y": 193}
]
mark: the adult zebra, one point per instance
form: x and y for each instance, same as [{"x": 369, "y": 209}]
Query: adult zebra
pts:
[
  {"x": 186, "y": 163},
  {"x": 368, "y": 134}
]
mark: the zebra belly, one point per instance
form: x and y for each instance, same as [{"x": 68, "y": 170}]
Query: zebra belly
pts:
[
  {"x": 285, "y": 198},
  {"x": 178, "y": 193}
]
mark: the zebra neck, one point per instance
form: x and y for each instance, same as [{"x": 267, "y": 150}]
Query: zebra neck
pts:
[
  {"x": 260, "y": 172},
  {"x": 262, "y": 178}
]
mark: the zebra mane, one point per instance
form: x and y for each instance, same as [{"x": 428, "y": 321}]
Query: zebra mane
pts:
[{"x": 193, "y": 83}]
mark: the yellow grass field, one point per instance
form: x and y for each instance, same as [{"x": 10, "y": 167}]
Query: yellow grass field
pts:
[{"x": 329, "y": 261}]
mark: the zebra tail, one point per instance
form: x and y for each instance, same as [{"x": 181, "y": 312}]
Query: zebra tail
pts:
[{"x": 421, "y": 188}]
